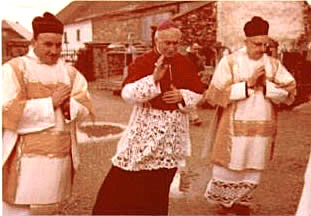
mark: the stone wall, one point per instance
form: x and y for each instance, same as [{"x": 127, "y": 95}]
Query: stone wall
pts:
[
  {"x": 116, "y": 63},
  {"x": 286, "y": 20},
  {"x": 116, "y": 29},
  {"x": 307, "y": 20},
  {"x": 98, "y": 55},
  {"x": 199, "y": 25}
]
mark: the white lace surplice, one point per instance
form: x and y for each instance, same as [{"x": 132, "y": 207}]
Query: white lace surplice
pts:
[
  {"x": 228, "y": 187},
  {"x": 154, "y": 138}
]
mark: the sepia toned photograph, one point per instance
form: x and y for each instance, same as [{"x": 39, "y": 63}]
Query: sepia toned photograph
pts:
[{"x": 156, "y": 107}]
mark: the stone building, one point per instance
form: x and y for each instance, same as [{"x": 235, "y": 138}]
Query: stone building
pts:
[
  {"x": 116, "y": 21},
  {"x": 212, "y": 24},
  {"x": 94, "y": 21},
  {"x": 101, "y": 25}
]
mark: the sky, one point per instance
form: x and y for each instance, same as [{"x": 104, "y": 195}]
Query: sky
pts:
[{"x": 23, "y": 11}]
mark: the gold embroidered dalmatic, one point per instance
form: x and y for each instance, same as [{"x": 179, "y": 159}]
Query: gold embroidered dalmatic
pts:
[
  {"x": 40, "y": 152},
  {"x": 246, "y": 126}
]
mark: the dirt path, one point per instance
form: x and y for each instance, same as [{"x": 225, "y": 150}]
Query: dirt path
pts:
[
  {"x": 280, "y": 189},
  {"x": 278, "y": 194}
]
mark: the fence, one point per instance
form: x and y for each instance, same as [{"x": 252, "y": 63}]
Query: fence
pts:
[{"x": 70, "y": 55}]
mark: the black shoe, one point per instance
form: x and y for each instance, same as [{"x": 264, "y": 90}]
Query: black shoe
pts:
[
  {"x": 241, "y": 209},
  {"x": 224, "y": 211}
]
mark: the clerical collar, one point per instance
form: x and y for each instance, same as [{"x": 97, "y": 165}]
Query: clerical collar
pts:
[{"x": 31, "y": 54}]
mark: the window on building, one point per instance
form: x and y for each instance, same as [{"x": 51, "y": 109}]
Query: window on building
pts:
[
  {"x": 78, "y": 34},
  {"x": 65, "y": 38}
]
